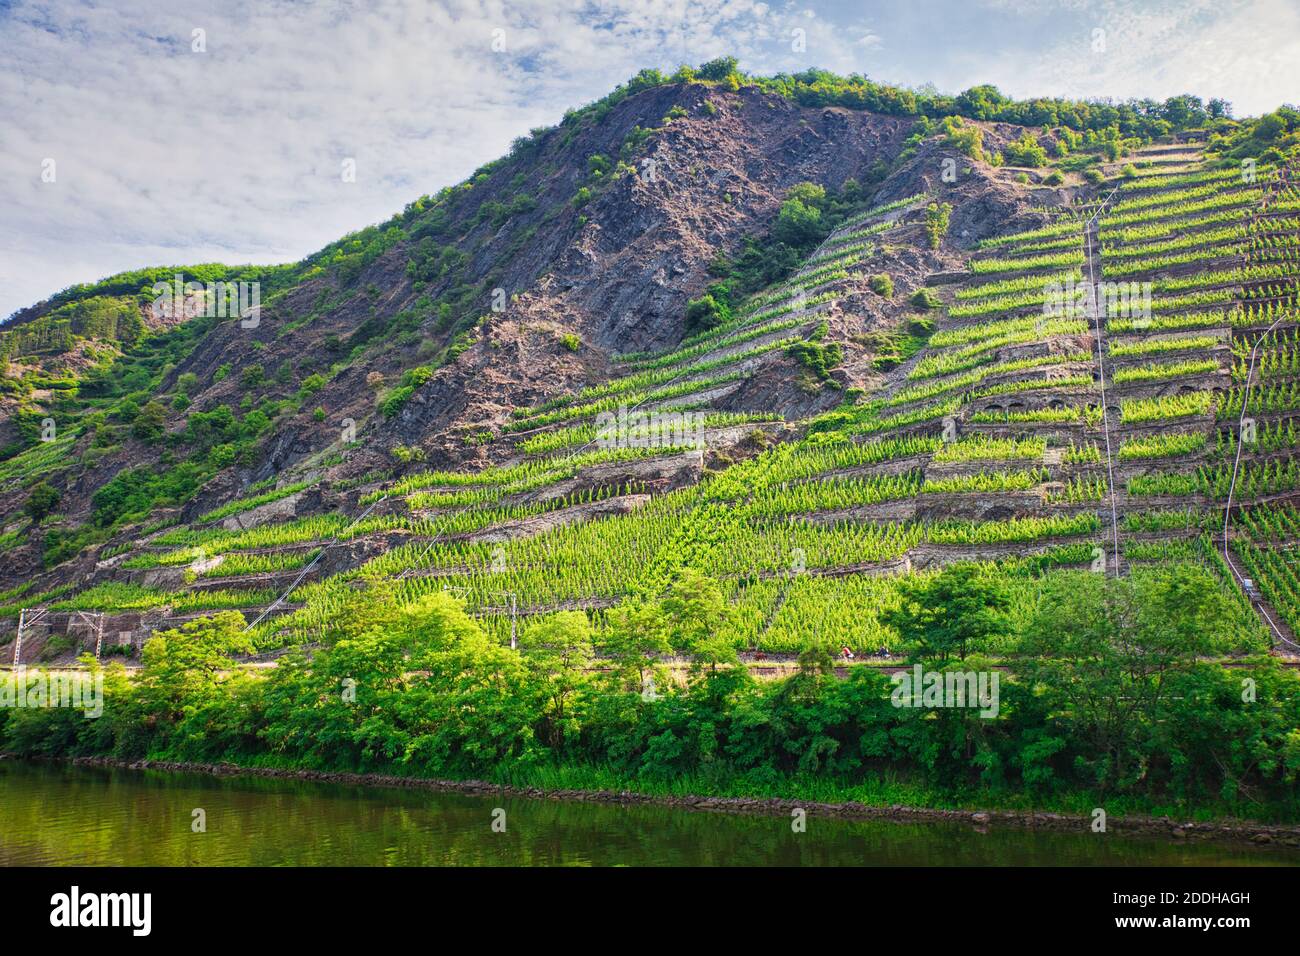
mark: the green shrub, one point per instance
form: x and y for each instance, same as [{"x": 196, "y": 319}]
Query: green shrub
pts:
[
  {"x": 150, "y": 423},
  {"x": 709, "y": 310},
  {"x": 968, "y": 140},
  {"x": 394, "y": 400},
  {"x": 252, "y": 376},
  {"x": 816, "y": 356},
  {"x": 799, "y": 223},
  {"x": 883, "y": 285},
  {"x": 936, "y": 222},
  {"x": 407, "y": 453},
  {"x": 42, "y": 500},
  {"x": 923, "y": 298},
  {"x": 311, "y": 385},
  {"x": 1025, "y": 152}
]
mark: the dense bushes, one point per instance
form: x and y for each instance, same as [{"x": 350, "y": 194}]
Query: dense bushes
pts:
[
  {"x": 136, "y": 491},
  {"x": 709, "y": 310},
  {"x": 1108, "y": 693},
  {"x": 1271, "y": 138},
  {"x": 1025, "y": 151},
  {"x": 808, "y": 215},
  {"x": 41, "y": 501},
  {"x": 799, "y": 222},
  {"x": 817, "y": 356},
  {"x": 966, "y": 139},
  {"x": 129, "y": 496}
]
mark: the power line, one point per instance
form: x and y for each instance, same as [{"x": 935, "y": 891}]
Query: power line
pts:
[
  {"x": 1236, "y": 463},
  {"x": 316, "y": 560},
  {"x": 1101, "y": 371}
]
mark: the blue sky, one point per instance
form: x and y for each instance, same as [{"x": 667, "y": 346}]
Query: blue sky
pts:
[{"x": 167, "y": 155}]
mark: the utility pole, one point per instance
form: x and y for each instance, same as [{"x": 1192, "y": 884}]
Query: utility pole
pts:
[
  {"x": 514, "y": 619},
  {"x": 95, "y": 621},
  {"x": 26, "y": 618}
]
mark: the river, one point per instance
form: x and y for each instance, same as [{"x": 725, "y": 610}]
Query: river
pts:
[{"x": 56, "y": 814}]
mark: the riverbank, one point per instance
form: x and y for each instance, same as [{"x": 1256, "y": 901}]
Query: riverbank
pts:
[{"x": 1230, "y": 830}]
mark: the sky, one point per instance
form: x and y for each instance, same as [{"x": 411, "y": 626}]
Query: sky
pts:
[{"x": 138, "y": 134}]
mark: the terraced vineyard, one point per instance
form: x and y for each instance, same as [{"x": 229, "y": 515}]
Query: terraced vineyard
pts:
[{"x": 1090, "y": 393}]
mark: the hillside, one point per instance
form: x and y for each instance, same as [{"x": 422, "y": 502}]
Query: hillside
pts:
[{"x": 856, "y": 333}]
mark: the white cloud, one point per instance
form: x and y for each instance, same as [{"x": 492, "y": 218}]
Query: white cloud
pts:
[
  {"x": 170, "y": 156},
  {"x": 1245, "y": 51},
  {"x": 165, "y": 156}
]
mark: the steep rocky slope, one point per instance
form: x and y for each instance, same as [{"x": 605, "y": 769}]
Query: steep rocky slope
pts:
[{"x": 426, "y": 404}]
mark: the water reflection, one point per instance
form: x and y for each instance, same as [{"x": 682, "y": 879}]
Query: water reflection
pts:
[{"x": 54, "y": 814}]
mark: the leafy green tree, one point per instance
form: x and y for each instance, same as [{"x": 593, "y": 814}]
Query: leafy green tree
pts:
[
  {"x": 1224, "y": 734},
  {"x": 709, "y": 310},
  {"x": 637, "y": 633},
  {"x": 696, "y": 613},
  {"x": 799, "y": 222},
  {"x": 718, "y": 70},
  {"x": 150, "y": 424},
  {"x": 183, "y": 667},
  {"x": 375, "y": 605},
  {"x": 1104, "y": 653},
  {"x": 981, "y": 102},
  {"x": 1025, "y": 151},
  {"x": 955, "y": 611},
  {"x": 476, "y": 711},
  {"x": 558, "y": 650},
  {"x": 434, "y": 622}
]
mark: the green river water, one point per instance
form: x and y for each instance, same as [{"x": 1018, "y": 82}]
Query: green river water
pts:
[{"x": 53, "y": 814}]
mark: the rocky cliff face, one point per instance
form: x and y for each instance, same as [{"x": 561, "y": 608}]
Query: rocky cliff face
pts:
[{"x": 525, "y": 284}]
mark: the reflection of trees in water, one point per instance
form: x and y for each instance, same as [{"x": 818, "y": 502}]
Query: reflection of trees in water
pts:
[{"x": 88, "y": 815}]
